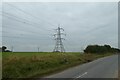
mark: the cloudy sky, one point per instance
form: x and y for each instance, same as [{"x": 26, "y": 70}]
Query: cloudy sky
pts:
[{"x": 27, "y": 26}]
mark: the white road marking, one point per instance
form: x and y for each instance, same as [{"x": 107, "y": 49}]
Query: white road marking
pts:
[{"x": 81, "y": 75}]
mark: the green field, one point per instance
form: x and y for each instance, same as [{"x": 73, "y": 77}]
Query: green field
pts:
[
  {"x": 38, "y": 64},
  {"x": 0, "y": 65}
]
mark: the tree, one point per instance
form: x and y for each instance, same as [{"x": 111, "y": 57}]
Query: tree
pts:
[
  {"x": 107, "y": 46},
  {"x": 8, "y": 51},
  {"x": 4, "y": 48}
]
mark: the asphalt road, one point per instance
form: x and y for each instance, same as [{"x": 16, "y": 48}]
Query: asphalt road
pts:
[{"x": 106, "y": 67}]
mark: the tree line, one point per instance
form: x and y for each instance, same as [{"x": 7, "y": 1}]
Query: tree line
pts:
[
  {"x": 101, "y": 49},
  {"x": 88, "y": 49}
]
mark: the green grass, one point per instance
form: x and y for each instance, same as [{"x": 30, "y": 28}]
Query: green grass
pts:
[
  {"x": 0, "y": 65},
  {"x": 38, "y": 64}
]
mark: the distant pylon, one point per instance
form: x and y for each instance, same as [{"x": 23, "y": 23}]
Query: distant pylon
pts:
[
  {"x": 12, "y": 48},
  {"x": 58, "y": 38}
]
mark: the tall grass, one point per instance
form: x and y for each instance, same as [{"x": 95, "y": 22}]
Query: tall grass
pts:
[{"x": 33, "y": 64}]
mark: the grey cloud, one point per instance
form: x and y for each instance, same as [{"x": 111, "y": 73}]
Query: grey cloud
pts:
[{"x": 84, "y": 24}]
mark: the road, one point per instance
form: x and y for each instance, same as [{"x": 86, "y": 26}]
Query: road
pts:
[{"x": 106, "y": 67}]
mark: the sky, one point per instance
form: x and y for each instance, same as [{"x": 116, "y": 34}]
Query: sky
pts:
[
  {"x": 29, "y": 25},
  {"x": 0, "y": 24}
]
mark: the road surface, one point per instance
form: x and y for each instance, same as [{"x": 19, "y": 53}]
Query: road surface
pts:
[{"x": 106, "y": 67}]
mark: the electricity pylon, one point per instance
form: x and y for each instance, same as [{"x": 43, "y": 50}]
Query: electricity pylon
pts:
[{"x": 58, "y": 38}]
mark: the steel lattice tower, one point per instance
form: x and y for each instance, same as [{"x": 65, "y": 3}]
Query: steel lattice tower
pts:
[{"x": 59, "y": 44}]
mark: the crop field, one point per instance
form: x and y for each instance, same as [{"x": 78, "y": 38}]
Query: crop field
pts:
[{"x": 38, "y": 64}]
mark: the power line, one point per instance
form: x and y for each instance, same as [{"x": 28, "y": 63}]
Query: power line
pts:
[
  {"x": 19, "y": 21},
  {"x": 30, "y": 14},
  {"x": 33, "y": 25},
  {"x": 21, "y": 34},
  {"x": 21, "y": 30},
  {"x": 23, "y": 20},
  {"x": 19, "y": 37}
]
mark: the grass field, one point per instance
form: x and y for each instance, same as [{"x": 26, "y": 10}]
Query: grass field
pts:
[
  {"x": 37, "y": 64},
  {"x": 0, "y": 65}
]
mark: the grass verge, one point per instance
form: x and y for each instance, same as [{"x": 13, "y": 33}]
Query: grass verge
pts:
[
  {"x": 0, "y": 65},
  {"x": 39, "y": 64}
]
